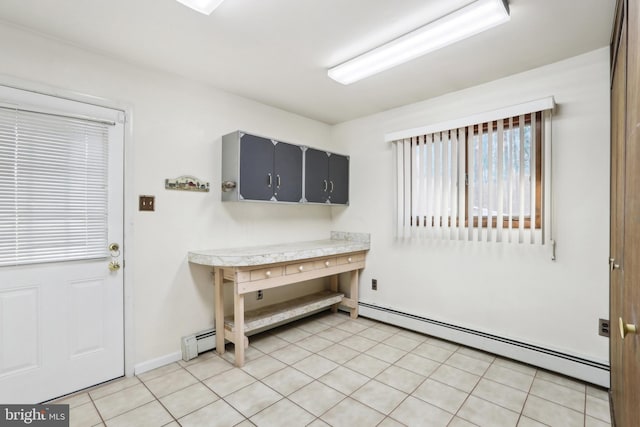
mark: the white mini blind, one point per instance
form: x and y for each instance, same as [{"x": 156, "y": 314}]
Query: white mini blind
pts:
[
  {"x": 53, "y": 187},
  {"x": 479, "y": 182}
]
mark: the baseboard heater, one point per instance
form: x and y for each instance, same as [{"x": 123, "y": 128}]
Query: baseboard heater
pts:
[
  {"x": 563, "y": 363},
  {"x": 192, "y": 345}
]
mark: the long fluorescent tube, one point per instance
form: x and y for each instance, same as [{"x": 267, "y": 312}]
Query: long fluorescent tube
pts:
[
  {"x": 203, "y": 6},
  {"x": 465, "y": 22}
]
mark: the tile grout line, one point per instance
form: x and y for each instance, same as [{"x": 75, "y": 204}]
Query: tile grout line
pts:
[
  {"x": 524, "y": 404},
  {"x": 158, "y": 399},
  {"x": 94, "y": 407}
]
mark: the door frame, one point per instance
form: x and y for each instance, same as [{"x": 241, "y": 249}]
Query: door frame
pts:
[{"x": 128, "y": 195}]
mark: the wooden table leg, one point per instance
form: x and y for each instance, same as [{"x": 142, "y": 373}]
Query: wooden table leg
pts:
[
  {"x": 240, "y": 341},
  {"x": 218, "y": 291},
  {"x": 333, "y": 285},
  {"x": 353, "y": 293}
]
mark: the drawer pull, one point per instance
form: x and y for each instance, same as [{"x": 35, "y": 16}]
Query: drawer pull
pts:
[
  {"x": 268, "y": 273},
  {"x": 349, "y": 259},
  {"x": 301, "y": 268},
  {"x": 326, "y": 263}
]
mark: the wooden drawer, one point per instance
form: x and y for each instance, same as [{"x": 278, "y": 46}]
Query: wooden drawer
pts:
[
  {"x": 265, "y": 273},
  {"x": 299, "y": 267},
  {"x": 325, "y": 263},
  {"x": 347, "y": 259}
]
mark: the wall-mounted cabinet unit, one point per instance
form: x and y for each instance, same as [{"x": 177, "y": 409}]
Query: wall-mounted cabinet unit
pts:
[
  {"x": 256, "y": 168},
  {"x": 326, "y": 177}
]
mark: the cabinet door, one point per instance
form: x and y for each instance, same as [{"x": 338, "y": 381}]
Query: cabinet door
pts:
[
  {"x": 338, "y": 179},
  {"x": 256, "y": 168},
  {"x": 316, "y": 185},
  {"x": 287, "y": 170}
]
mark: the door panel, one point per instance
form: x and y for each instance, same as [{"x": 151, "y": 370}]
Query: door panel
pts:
[
  {"x": 288, "y": 172},
  {"x": 62, "y": 323},
  {"x": 316, "y": 185},
  {"x": 85, "y": 321},
  {"x": 19, "y": 327},
  {"x": 618, "y": 106},
  {"x": 338, "y": 179},
  {"x": 625, "y": 211},
  {"x": 256, "y": 167},
  {"x": 631, "y": 260}
]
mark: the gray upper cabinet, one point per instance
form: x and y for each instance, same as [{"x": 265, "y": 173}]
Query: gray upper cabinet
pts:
[
  {"x": 326, "y": 177},
  {"x": 287, "y": 167},
  {"x": 256, "y": 168}
]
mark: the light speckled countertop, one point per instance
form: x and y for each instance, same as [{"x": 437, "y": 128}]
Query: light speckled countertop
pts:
[{"x": 339, "y": 243}]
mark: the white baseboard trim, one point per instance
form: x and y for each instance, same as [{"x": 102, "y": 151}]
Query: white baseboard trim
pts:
[
  {"x": 157, "y": 362},
  {"x": 566, "y": 364}
]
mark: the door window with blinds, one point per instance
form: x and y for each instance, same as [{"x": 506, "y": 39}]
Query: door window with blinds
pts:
[
  {"x": 482, "y": 181},
  {"x": 53, "y": 187}
]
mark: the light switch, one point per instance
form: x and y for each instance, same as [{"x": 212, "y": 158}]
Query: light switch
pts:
[{"x": 147, "y": 203}]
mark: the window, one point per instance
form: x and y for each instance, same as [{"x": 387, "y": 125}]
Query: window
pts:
[
  {"x": 483, "y": 181},
  {"x": 53, "y": 187},
  {"x": 501, "y": 165}
]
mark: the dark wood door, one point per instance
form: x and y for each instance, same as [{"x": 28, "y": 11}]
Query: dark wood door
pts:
[
  {"x": 316, "y": 187},
  {"x": 256, "y": 168},
  {"x": 616, "y": 246},
  {"x": 338, "y": 179},
  {"x": 287, "y": 171},
  {"x": 625, "y": 215}
]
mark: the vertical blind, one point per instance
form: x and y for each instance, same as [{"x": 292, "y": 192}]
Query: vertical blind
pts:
[
  {"x": 53, "y": 187},
  {"x": 479, "y": 182}
]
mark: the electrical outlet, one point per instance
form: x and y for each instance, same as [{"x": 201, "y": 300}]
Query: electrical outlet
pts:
[
  {"x": 603, "y": 327},
  {"x": 259, "y": 294},
  {"x": 374, "y": 284},
  {"x": 147, "y": 203}
]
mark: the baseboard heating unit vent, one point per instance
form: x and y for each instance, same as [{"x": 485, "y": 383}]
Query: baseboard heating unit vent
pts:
[
  {"x": 566, "y": 364},
  {"x": 193, "y": 345}
]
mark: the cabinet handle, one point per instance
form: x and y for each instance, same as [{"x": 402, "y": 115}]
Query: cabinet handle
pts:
[
  {"x": 269, "y": 180},
  {"x": 277, "y": 181},
  {"x": 268, "y": 273},
  {"x": 331, "y": 182},
  {"x": 326, "y": 263},
  {"x": 325, "y": 185},
  {"x": 301, "y": 268}
]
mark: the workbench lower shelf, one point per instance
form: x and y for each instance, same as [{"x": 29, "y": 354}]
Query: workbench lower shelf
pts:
[{"x": 276, "y": 314}]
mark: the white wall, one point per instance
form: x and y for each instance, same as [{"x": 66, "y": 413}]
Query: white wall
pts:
[
  {"x": 507, "y": 290},
  {"x": 177, "y": 129}
]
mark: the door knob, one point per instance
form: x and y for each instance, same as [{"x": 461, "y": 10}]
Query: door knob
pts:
[
  {"x": 613, "y": 265},
  {"x": 114, "y": 265},
  {"x": 626, "y": 328}
]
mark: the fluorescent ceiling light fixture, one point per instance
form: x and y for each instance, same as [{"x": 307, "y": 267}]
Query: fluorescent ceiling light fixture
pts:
[
  {"x": 202, "y": 6},
  {"x": 458, "y": 25}
]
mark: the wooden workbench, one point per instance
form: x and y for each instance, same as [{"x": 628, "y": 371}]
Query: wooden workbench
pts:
[{"x": 265, "y": 267}]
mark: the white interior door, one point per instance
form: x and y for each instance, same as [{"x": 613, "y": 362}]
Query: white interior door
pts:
[{"x": 61, "y": 205}]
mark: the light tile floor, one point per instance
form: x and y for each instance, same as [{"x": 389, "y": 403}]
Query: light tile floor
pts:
[{"x": 331, "y": 370}]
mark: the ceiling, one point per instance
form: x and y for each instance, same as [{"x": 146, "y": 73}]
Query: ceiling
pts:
[{"x": 277, "y": 51}]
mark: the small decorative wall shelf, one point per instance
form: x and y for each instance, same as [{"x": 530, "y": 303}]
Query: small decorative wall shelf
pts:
[{"x": 186, "y": 183}]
